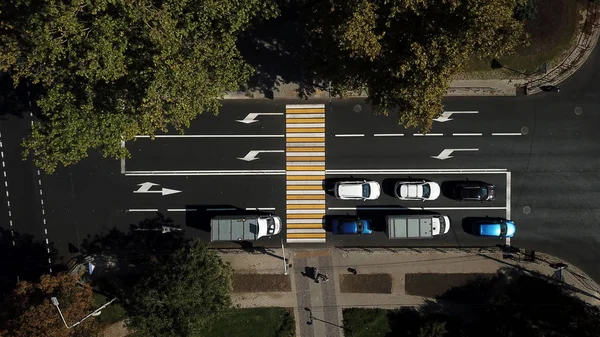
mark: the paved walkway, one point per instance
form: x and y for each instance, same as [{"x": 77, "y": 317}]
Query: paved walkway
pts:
[
  {"x": 326, "y": 302},
  {"x": 588, "y": 36}
]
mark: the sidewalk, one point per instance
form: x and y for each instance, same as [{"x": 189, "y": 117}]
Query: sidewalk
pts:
[
  {"x": 588, "y": 36},
  {"x": 326, "y": 301}
]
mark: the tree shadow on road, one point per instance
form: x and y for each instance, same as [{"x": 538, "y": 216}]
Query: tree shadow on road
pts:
[
  {"x": 26, "y": 260},
  {"x": 120, "y": 257}
]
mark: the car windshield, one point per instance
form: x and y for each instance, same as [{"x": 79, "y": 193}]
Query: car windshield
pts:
[
  {"x": 270, "y": 226},
  {"x": 366, "y": 190},
  {"x": 502, "y": 229},
  {"x": 359, "y": 226},
  {"x": 426, "y": 190},
  {"x": 484, "y": 192}
]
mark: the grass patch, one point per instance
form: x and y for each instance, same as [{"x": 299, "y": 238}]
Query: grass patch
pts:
[
  {"x": 551, "y": 33},
  {"x": 367, "y": 322},
  {"x": 112, "y": 313},
  {"x": 255, "y": 322},
  {"x": 366, "y": 283},
  {"x": 254, "y": 283},
  {"x": 433, "y": 285}
]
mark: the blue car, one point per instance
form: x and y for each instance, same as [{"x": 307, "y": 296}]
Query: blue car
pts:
[
  {"x": 496, "y": 227},
  {"x": 351, "y": 226}
]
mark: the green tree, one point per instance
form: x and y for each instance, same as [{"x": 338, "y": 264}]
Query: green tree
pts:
[
  {"x": 109, "y": 70},
  {"x": 404, "y": 52},
  {"x": 28, "y": 311},
  {"x": 182, "y": 295}
]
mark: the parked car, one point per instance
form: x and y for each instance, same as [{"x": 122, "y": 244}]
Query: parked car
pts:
[
  {"x": 357, "y": 190},
  {"x": 351, "y": 225},
  {"x": 495, "y": 227},
  {"x": 474, "y": 191},
  {"x": 417, "y": 190}
]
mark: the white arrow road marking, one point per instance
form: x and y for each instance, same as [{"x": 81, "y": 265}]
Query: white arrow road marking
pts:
[
  {"x": 446, "y": 154},
  {"x": 445, "y": 117},
  {"x": 252, "y": 154},
  {"x": 251, "y": 118},
  {"x": 145, "y": 188}
]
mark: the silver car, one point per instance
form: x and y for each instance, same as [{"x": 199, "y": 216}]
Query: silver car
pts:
[
  {"x": 417, "y": 190},
  {"x": 357, "y": 190}
]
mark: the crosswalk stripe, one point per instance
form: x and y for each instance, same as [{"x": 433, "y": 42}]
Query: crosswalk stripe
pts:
[
  {"x": 307, "y": 206},
  {"x": 305, "y": 168},
  {"x": 304, "y": 187},
  {"x": 303, "y": 120},
  {"x": 306, "y": 178},
  {"x": 305, "y": 216},
  {"x": 306, "y": 235},
  {"x": 295, "y": 111},
  {"x": 304, "y": 225},
  {"x": 306, "y": 149},
  {"x": 306, "y": 139},
  {"x": 306, "y": 158},
  {"x": 305, "y": 197},
  {"x": 304, "y": 130}
]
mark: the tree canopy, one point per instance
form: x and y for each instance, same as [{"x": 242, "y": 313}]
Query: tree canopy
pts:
[
  {"x": 28, "y": 311},
  {"x": 109, "y": 70},
  {"x": 184, "y": 293},
  {"x": 404, "y": 52}
]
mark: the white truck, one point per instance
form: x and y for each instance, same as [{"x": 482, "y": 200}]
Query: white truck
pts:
[
  {"x": 243, "y": 227},
  {"x": 416, "y": 226}
]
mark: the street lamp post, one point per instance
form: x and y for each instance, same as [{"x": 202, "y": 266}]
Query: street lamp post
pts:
[
  {"x": 93, "y": 313},
  {"x": 312, "y": 318}
]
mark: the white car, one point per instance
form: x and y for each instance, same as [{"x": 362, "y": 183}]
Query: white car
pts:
[
  {"x": 417, "y": 190},
  {"x": 357, "y": 190}
]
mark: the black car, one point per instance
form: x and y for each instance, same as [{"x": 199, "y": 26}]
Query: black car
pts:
[{"x": 474, "y": 191}]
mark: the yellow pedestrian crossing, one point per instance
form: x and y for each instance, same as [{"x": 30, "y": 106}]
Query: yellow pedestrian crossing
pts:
[{"x": 305, "y": 168}]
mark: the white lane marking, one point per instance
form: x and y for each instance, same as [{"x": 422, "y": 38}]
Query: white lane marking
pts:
[
  {"x": 122, "y": 159},
  {"x": 305, "y": 154},
  {"x": 428, "y": 134},
  {"x": 508, "y": 193},
  {"x": 212, "y": 136},
  {"x": 420, "y": 171},
  {"x": 260, "y": 209},
  {"x": 383, "y": 208},
  {"x": 506, "y": 134},
  {"x": 308, "y": 115},
  {"x": 305, "y": 202},
  {"x": 142, "y": 210},
  {"x": 507, "y": 241},
  {"x": 208, "y": 173},
  {"x": 305, "y": 125},
  {"x": 467, "y": 134},
  {"x": 305, "y": 134},
  {"x": 305, "y": 106},
  {"x": 303, "y": 192},
  {"x": 389, "y": 135},
  {"x": 7, "y": 194},
  {"x": 305, "y": 144},
  {"x": 182, "y": 209},
  {"x": 350, "y": 135},
  {"x": 305, "y": 163}
]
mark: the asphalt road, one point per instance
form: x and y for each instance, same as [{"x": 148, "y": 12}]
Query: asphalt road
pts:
[{"x": 541, "y": 152}]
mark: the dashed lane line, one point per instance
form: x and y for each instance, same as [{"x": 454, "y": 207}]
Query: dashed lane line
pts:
[{"x": 10, "y": 221}]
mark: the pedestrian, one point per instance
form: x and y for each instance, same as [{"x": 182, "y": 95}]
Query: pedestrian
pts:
[{"x": 352, "y": 270}]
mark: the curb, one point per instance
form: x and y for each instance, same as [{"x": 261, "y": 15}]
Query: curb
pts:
[{"x": 577, "y": 56}]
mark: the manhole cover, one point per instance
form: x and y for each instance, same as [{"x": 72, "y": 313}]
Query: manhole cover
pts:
[
  {"x": 578, "y": 111},
  {"x": 526, "y": 209},
  {"x": 524, "y": 130},
  {"x": 357, "y": 108}
]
